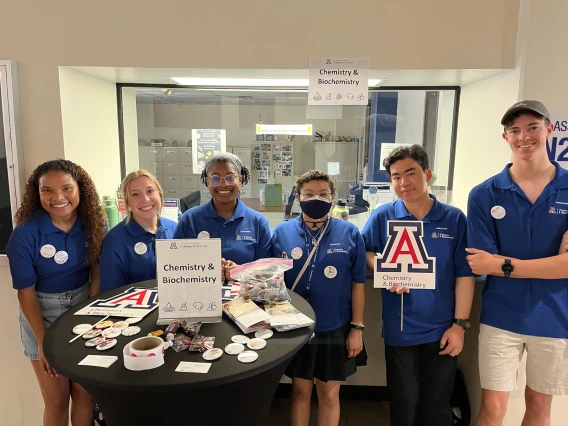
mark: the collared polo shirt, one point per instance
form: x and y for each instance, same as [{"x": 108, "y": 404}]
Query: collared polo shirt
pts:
[
  {"x": 501, "y": 219},
  {"x": 245, "y": 236},
  {"x": 427, "y": 314},
  {"x": 338, "y": 263},
  {"x": 62, "y": 265},
  {"x": 129, "y": 253}
]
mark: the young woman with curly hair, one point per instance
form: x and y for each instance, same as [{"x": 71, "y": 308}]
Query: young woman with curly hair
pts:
[{"x": 53, "y": 254}]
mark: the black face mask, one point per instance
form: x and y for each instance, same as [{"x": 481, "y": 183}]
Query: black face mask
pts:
[{"x": 315, "y": 207}]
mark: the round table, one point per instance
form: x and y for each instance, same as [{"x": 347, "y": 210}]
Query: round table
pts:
[{"x": 230, "y": 393}]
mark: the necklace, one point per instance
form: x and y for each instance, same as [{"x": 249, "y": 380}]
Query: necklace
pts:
[{"x": 317, "y": 234}]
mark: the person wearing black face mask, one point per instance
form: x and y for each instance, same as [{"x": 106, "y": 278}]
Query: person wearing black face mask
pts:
[{"x": 329, "y": 271}]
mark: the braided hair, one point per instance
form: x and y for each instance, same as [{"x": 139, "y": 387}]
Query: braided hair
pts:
[
  {"x": 225, "y": 157},
  {"x": 89, "y": 209}
]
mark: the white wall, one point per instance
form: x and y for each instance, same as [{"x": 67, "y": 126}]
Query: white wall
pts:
[
  {"x": 443, "y": 137},
  {"x": 90, "y": 127},
  {"x": 130, "y": 123},
  {"x": 481, "y": 152}
]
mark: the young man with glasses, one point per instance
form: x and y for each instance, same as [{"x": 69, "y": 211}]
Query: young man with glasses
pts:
[
  {"x": 423, "y": 340},
  {"x": 516, "y": 222},
  {"x": 244, "y": 233}
]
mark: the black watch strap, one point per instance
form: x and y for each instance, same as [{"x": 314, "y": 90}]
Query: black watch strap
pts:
[
  {"x": 358, "y": 326},
  {"x": 463, "y": 323}
]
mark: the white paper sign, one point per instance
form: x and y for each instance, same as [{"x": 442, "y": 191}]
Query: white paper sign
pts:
[
  {"x": 405, "y": 260},
  {"x": 98, "y": 361},
  {"x": 338, "y": 81},
  {"x": 189, "y": 279},
  {"x": 134, "y": 302},
  {"x": 193, "y": 367},
  {"x": 206, "y": 143},
  {"x": 386, "y": 149}
]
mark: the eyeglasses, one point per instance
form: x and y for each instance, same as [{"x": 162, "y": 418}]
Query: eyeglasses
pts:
[
  {"x": 216, "y": 180},
  {"x": 323, "y": 194}
]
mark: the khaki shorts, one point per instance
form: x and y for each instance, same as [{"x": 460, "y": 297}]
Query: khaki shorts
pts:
[{"x": 501, "y": 351}]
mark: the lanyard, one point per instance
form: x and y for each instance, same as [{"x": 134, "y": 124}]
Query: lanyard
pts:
[{"x": 308, "y": 237}]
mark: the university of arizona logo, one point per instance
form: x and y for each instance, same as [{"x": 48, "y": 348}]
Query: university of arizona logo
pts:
[
  {"x": 173, "y": 246},
  {"x": 404, "y": 260},
  {"x": 552, "y": 210}
]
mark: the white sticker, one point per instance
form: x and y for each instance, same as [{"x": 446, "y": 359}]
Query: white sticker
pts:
[
  {"x": 297, "y": 253},
  {"x": 47, "y": 251},
  {"x": 498, "y": 212},
  {"x": 330, "y": 272},
  {"x": 140, "y": 248},
  {"x": 203, "y": 235},
  {"x": 61, "y": 257}
]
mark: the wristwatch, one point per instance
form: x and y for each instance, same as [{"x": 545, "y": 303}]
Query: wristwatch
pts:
[
  {"x": 507, "y": 267},
  {"x": 357, "y": 326},
  {"x": 464, "y": 323}
]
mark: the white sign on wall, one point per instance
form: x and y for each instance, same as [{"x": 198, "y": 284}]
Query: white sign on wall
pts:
[
  {"x": 189, "y": 279},
  {"x": 284, "y": 129},
  {"x": 557, "y": 144},
  {"x": 338, "y": 81}
]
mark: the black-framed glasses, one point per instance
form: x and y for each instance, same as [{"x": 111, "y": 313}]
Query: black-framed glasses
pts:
[{"x": 216, "y": 180}]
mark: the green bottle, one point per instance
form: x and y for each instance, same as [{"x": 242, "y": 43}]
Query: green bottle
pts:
[{"x": 109, "y": 205}]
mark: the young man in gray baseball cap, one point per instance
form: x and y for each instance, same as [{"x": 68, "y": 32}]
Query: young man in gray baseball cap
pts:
[{"x": 516, "y": 224}]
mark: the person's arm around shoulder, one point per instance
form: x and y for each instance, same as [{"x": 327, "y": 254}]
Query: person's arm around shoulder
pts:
[
  {"x": 371, "y": 235},
  {"x": 112, "y": 267},
  {"x": 264, "y": 240}
]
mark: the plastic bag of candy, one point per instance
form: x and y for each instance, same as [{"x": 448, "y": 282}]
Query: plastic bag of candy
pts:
[{"x": 263, "y": 279}]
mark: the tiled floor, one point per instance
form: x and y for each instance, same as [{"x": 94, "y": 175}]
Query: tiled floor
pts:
[{"x": 353, "y": 413}]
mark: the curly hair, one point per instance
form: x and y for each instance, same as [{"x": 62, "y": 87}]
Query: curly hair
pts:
[
  {"x": 314, "y": 175},
  {"x": 225, "y": 157},
  {"x": 89, "y": 209}
]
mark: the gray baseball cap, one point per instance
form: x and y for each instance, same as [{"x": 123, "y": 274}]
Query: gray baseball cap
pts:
[{"x": 528, "y": 105}]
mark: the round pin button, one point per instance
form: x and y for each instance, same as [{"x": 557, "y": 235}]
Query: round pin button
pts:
[
  {"x": 94, "y": 342},
  {"x": 81, "y": 328},
  {"x": 93, "y": 333},
  {"x": 297, "y": 253},
  {"x": 256, "y": 344},
  {"x": 133, "y": 320},
  {"x": 498, "y": 212},
  {"x": 240, "y": 339},
  {"x": 61, "y": 257},
  {"x": 212, "y": 354},
  {"x": 264, "y": 334},
  {"x": 140, "y": 248},
  {"x": 47, "y": 251},
  {"x": 203, "y": 235},
  {"x": 330, "y": 272},
  {"x": 121, "y": 325},
  {"x": 247, "y": 357},
  {"x": 234, "y": 348},
  {"x": 107, "y": 344},
  {"x": 111, "y": 332},
  {"x": 104, "y": 324},
  {"x": 131, "y": 331}
]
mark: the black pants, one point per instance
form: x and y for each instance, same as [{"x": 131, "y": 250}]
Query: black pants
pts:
[{"x": 420, "y": 383}]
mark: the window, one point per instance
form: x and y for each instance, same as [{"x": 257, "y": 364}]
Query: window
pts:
[{"x": 347, "y": 141}]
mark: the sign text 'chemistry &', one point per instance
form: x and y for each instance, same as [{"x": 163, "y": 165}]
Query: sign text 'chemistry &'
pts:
[
  {"x": 188, "y": 267},
  {"x": 348, "y": 73}
]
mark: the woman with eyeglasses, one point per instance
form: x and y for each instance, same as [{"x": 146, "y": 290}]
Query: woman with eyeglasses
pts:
[
  {"x": 128, "y": 255},
  {"x": 244, "y": 233},
  {"x": 332, "y": 280}
]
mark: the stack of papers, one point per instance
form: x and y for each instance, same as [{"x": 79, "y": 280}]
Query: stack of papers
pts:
[
  {"x": 247, "y": 315},
  {"x": 284, "y": 317}
]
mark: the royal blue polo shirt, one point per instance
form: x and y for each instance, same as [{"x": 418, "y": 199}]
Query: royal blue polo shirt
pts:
[
  {"x": 427, "y": 313},
  {"x": 338, "y": 263},
  {"x": 245, "y": 236},
  {"x": 522, "y": 230},
  {"x": 125, "y": 261},
  {"x": 29, "y": 266}
]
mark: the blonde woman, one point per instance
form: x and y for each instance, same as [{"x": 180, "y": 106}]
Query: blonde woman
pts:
[{"x": 128, "y": 254}]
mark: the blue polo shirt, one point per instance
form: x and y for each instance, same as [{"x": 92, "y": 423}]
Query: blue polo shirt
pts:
[
  {"x": 121, "y": 263},
  {"x": 29, "y": 267},
  {"x": 533, "y": 307},
  {"x": 245, "y": 236},
  {"x": 427, "y": 313},
  {"x": 341, "y": 248}
]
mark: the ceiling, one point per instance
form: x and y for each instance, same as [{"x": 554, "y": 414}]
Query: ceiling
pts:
[{"x": 392, "y": 77}]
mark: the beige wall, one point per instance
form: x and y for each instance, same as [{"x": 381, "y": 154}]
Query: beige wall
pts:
[{"x": 90, "y": 127}]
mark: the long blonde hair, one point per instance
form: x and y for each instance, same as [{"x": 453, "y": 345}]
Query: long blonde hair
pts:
[{"x": 128, "y": 180}]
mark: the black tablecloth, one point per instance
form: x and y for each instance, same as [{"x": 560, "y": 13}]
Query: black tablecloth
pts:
[{"x": 162, "y": 396}]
